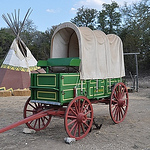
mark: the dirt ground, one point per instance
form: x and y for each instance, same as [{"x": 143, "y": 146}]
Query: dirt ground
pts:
[{"x": 133, "y": 133}]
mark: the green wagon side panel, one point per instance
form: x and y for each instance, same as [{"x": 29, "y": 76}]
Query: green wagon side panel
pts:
[
  {"x": 44, "y": 87},
  {"x": 67, "y": 84},
  {"x": 93, "y": 92},
  {"x": 60, "y": 87},
  {"x": 47, "y": 80},
  {"x": 47, "y": 95}
]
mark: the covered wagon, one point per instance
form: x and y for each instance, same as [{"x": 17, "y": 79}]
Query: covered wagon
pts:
[{"x": 84, "y": 67}]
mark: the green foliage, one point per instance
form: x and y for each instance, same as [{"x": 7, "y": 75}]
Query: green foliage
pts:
[
  {"x": 109, "y": 19},
  {"x": 136, "y": 31},
  {"x": 41, "y": 43},
  {"x": 6, "y": 38},
  {"x": 85, "y": 17}
]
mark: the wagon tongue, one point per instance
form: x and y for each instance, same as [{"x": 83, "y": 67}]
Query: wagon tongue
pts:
[{"x": 33, "y": 117}]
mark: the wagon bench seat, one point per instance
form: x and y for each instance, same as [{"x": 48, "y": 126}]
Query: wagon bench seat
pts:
[{"x": 59, "y": 62}]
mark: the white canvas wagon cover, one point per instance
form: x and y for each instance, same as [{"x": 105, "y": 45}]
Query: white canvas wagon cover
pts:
[{"x": 101, "y": 55}]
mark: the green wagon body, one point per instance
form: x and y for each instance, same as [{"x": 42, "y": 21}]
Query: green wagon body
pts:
[{"x": 60, "y": 88}]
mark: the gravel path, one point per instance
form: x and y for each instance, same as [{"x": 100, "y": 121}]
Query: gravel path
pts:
[{"x": 133, "y": 133}]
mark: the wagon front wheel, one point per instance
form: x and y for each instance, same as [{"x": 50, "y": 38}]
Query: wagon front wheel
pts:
[
  {"x": 119, "y": 103},
  {"x": 78, "y": 117},
  {"x": 34, "y": 108}
]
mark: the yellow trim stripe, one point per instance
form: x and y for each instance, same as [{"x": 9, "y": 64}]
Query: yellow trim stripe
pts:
[{"x": 19, "y": 68}]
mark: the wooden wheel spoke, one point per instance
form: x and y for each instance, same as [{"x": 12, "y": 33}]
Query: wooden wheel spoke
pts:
[
  {"x": 121, "y": 112},
  {"x": 72, "y": 117},
  {"x": 82, "y": 127},
  {"x": 122, "y": 93},
  {"x": 76, "y": 107},
  {"x": 114, "y": 108},
  {"x": 73, "y": 126},
  {"x": 32, "y": 106},
  {"x": 79, "y": 134},
  {"x": 124, "y": 109},
  {"x": 43, "y": 121},
  {"x": 125, "y": 99},
  {"x": 39, "y": 123},
  {"x": 89, "y": 111},
  {"x": 71, "y": 122},
  {"x": 115, "y": 96},
  {"x": 114, "y": 101},
  {"x": 86, "y": 124},
  {"x": 85, "y": 108},
  {"x": 35, "y": 105},
  {"x": 116, "y": 93},
  {"x": 124, "y": 106},
  {"x": 30, "y": 122},
  {"x": 116, "y": 113},
  {"x": 31, "y": 111},
  {"x": 46, "y": 118},
  {"x": 113, "y": 105},
  {"x": 35, "y": 123},
  {"x": 82, "y": 106},
  {"x": 39, "y": 104},
  {"x": 88, "y": 118},
  {"x": 73, "y": 111},
  {"x": 79, "y": 105},
  {"x": 75, "y": 130},
  {"x": 119, "y": 115}
]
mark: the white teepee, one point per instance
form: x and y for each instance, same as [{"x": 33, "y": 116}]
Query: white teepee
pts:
[{"x": 19, "y": 62}]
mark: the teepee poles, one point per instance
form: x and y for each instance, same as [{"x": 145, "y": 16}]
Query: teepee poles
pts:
[{"x": 13, "y": 21}]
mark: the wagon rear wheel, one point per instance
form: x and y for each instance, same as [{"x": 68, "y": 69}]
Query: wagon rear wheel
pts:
[
  {"x": 78, "y": 117},
  {"x": 34, "y": 108},
  {"x": 119, "y": 103}
]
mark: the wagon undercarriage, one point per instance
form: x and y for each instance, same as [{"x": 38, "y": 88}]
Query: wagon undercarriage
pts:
[{"x": 78, "y": 114}]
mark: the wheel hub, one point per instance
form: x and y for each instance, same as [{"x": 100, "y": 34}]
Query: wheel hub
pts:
[
  {"x": 81, "y": 118},
  {"x": 121, "y": 103}
]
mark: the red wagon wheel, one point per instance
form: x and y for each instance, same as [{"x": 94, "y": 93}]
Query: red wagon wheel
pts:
[
  {"x": 34, "y": 108},
  {"x": 119, "y": 103},
  {"x": 79, "y": 117}
]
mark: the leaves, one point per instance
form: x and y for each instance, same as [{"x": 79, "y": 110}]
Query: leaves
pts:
[{"x": 85, "y": 17}]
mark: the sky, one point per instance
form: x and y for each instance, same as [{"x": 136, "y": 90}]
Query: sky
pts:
[{"x": 47, "y": 13}]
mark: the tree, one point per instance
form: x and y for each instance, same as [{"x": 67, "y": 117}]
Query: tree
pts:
[
  {"x": 137, "y": 30},
  {"x": 109, "y": 18},
  {"x": 6, "y": 38},
  {"x": 41, "y": 43},
  {"x": 28, "y": 32},
  {"x": 85, "y": 17}
]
